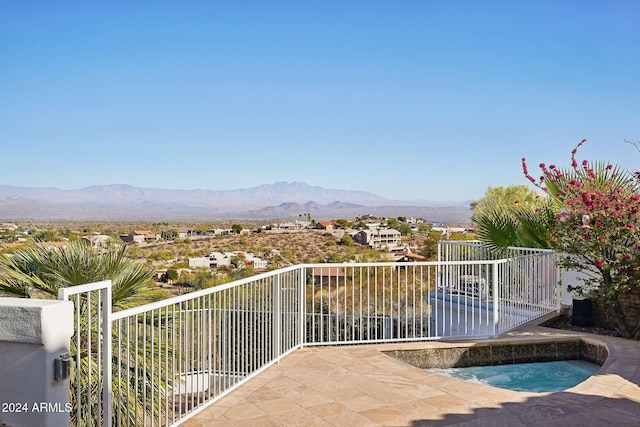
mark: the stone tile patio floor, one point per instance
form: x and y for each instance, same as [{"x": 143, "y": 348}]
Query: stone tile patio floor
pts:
[{"x": 361, "y": 386}]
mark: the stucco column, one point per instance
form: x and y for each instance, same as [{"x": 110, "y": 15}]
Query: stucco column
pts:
[{"x": 33, "y": 333}]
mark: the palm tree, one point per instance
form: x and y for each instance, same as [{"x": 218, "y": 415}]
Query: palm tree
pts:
[
  {"x": 35, "y": 271},
  {"x": 499, "y": 228},
  {"x": 514, "y": 216},
  {"x": 38, "y": 272}
]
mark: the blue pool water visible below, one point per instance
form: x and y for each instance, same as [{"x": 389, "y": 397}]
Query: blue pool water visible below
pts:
[{"x": 536, "y": 377}]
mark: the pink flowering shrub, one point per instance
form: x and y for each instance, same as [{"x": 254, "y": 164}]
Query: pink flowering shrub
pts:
[{"x": 598, "y": 228}]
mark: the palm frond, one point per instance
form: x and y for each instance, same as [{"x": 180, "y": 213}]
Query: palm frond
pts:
[
  {"x": 497, "y": 229},
  {"x": 534, "y": 227}
]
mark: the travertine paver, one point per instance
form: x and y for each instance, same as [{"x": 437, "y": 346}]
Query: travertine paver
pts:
[{"x": 361, "y": 386}]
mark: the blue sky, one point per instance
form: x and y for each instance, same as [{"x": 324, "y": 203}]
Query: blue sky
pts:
[{"x": 424, "y": 99}]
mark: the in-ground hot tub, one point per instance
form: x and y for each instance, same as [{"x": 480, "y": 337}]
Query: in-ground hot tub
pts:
[
  {"x": 487, "y": 354},
  {"x": 537, "y": 377}
]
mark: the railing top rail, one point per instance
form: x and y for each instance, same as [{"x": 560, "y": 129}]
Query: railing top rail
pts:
[
  {"x": 203, "y": 292},
  {"x": 193, "y": 295},
  {"x": 65, "y": 293},
  {"x": 535, "y": 250},
  {"x": 478, "y": 243},
  {"x": 404, "y": 264},
  {"x": 460, "y": 243}
]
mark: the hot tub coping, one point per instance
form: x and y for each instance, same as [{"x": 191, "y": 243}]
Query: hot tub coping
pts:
[{"x": 500, "y": 352}]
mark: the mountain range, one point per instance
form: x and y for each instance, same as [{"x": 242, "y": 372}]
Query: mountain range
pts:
[{"x": 280, "y": 200}]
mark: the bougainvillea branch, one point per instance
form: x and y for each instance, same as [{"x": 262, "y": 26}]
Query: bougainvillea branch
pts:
[{"x": 598, "y": 227}]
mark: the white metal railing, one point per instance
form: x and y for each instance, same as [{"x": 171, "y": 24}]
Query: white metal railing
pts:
[
  {"x": 173, "y": 357},
  {"x": 373, "y": 302},
  {"x": 474, "y": 250},
  {"x": 91, "y": 352}
]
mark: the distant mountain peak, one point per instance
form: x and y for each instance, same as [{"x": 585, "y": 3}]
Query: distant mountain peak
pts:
[{"x": 127, "y": 202}]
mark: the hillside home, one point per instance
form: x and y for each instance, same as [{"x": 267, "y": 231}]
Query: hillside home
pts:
[
  {"x": 219, "y": 259},
  {"x": 289, "y": 226},
  {"x": 7, "y": 226},
  {"x": 257, "y": 263},
  {"x": 218, "y": 232},
  {"x": 328, "y": 225},
  {"x": 446, "y": 231},
  {"x": 387, "y": 238},
  {"x": 324, "y": 225},
  {"x": 183, "y": 233},
  {"x": 97, "y": 240},
  {"x": 411, "y": 257},
  {"x": 140, "y": 236},
  {"x": 213, "y": 260},
  {"x": 328, "y": 275}
]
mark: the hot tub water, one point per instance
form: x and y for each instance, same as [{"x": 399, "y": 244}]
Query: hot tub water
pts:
[{"x": 535, "y": 377}]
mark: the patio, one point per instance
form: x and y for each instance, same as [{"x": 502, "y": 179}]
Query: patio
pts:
[
  {"x": 281, "y": 347},
  {"x": 361, "y": 386}
]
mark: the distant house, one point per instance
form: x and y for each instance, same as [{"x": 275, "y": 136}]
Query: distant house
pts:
[
  {"x": 140, "y": 236},
  {"x": 199, "y": 262},
  {"x": 7, "y": 226},
  {"x": 214, "y": 260},
  {"x": 362, "y": 237},
  {"x": 446, "y": 231},
  {"x": 411, "y": 257},
  {"x": 289, "y": 226},
  {"x": 328, "y": 276},
  {"x": 387, "y": 238},
  {"x": 97, "y": 240},
  {"x": 328, "y": 225},
  {"x": 182, "y": 233},
  {"x": 220, "y": 259},
  {"x": 324, "y": 225},
  {"x": 256, "y": 262}
]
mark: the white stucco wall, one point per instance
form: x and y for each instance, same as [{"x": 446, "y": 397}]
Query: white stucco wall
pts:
[
  {"x": 570, "y": 278},
  {"x": 33, "y": 333},
  {"x": 202, "y": 262}
]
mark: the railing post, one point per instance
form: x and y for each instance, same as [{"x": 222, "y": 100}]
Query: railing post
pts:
[
  {"x": 559, "y": 289},
  {"x": 104, "y": 352},
  {"x": 496, "y": 297},
  {"x": 277, "y": 317},
  {"x": 302, "y": 306},
  {"x": 107, "y": 354}
]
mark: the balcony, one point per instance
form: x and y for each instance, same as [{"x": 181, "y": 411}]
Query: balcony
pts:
[{"x": 164, "y": 362}]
